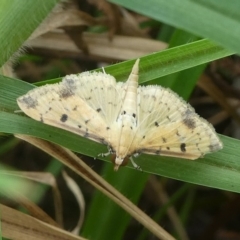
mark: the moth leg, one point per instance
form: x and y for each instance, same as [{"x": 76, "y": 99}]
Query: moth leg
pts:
[
  {"x": 136, "y": 154},
  {"x": 134, "y": 164},
  {"x": 104, "y": 154},
  {"x": 18, "y": 111},
  {"x": 110, "y": 151}
]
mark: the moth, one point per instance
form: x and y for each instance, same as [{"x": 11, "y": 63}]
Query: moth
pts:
[{"x": 128, "y": 118}]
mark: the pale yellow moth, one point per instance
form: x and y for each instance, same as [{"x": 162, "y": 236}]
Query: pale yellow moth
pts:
[{"x": 128, "y": 118}]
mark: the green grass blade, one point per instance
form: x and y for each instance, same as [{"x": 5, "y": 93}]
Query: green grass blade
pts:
[
  {"x": 18, "y": 19},
  {"x": 219, "y": 22},
  {"x": 190, "y": 76},
  {"x": 10, "y": 182},
  {"x": 170, "y": 61}
]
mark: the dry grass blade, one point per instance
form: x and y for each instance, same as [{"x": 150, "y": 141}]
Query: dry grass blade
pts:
[
  {"x": 130, "y": 25},
  {"x": 17, "y": 225},
  {"x": 218, "y": 118},
  {"x": 75, "y": 34},
  {"x": 33, "y": 209},
  {"x": 163, "y": 198},
  {"x": 72, "y": 21},
  {"x": 113, "y": 15},
  {"x": 17, "y": 196},
  {"x": 120, "y": 48},
  {"x": 64, "y": 18},
  {"x": 79, "y": 197},
  {"x": 48, "y": 179},
  {"x": 73, "y": 162},
  {"x": 206, "y": 84}
]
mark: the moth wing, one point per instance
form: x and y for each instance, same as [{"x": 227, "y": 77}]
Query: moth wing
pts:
[
  {"x": 168, "y": 126},
  {"x": 100, "y": 91},
  {"x": 78, "y": 104}
]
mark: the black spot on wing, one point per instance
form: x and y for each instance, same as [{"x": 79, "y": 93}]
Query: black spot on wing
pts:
[
  {"x": 28, "y": 101},
  {"x": 65, "y": 93},
  {"x": 154, "y": 98},
  {"x": 153, "y": 151},
  {"x": 99, "y": 110},
  {"x": 214, "y": 147},
  {"x": 183, "y": 147},
  {"x": 189, "y": 122},
  {"x": 156, "y": 124},
  {"x": 64, "y": 118},
  {"x": 69, "y": 81},
  {"x": 188, "y": 118},
  {"x": 86, "y": 135},
  {"x": 158, "y": 152}
]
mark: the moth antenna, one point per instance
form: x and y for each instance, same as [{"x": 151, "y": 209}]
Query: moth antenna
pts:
[{"x": 103, "y": 70}]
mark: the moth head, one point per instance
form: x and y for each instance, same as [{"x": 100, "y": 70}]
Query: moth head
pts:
[{"x": 119, "y": 161}]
